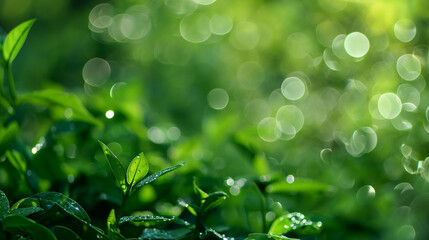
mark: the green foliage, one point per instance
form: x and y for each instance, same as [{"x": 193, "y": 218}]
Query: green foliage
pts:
[
  {"x": 294, "y": 222},
  {"x": 64, "y": 233},
  {"x": 116, "y": 166},
  {"x": 15, "y": 39},
  {"x": 21, "y": 226},
  {"x": 137, "y": 169},
  {"x": 4, "y": 205}
]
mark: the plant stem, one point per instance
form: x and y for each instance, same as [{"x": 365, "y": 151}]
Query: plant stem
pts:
[
  {"x": 122, "y": 208},
  {"x": 11, "y": 83}
]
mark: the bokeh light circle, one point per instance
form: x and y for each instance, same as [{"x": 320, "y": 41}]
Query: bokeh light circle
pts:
[
  {"x": 267, "y": 129},
  {"x": 389, "y": 105},
  {"x": 96, "y": 72},
  {"x": 290, "y": 119},
  {"x": 293, "y": 88},
  {"x": 408, "y": 67},
  {"x": 356, "y": 44},
  {"x": 405, "y": 30},
  {"x": 218, "y": 98}
]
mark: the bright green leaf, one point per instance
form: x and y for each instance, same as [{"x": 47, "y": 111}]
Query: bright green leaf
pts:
[
  {"x": 55, "y": 98},
  {"x": 47, "y": 200},
  {"x": 137, "y": 169},
  {"x": 295, "y": 222},
  {"x": 111, "y": 220},
  {"x": 22, "y": 226},
  {"x": 304, "y": 186},
  {"x": 191, "y": 207},
  {"x": 116, "y": 166},
  {"x": 64, "y": 233},
  {"x": 200, "y": 193},
  {"x": 7, "y": 135},
  {"x": 4, "y": 205},
  {"x": 153, "y": 177},
  {"x": 15, "y": 39}
]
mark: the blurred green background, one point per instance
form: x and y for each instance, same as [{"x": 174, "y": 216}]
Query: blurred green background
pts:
[{"x": 332, "y": 92}]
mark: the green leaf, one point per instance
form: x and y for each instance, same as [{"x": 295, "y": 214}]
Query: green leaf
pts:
[
  {"x": 200, "y": 193},
  {"x": 150, "y": 221},
  {"x": 137, "y": 169},
  {"x": 7, "y": 135},
  {"x": 153, "y": 233},
  {"x": 54, "y": 98},
  {"x": 26, "y": 211},
  {"x": 154, "y": 176},
  {"x": 116, "y": 166},
  {"x": 16, "y": 160},
  {"x": 111, "y": 221},
  {"x": 263, "y": 236},
  {"x": 304, "y": 186},
  {"x": 213, "y": 200},
  {"x": 46, "y": 200},
  {"x": 4, "y": 205},
  {"x": 22, "y": 226},
  {"x": 295, "y": 222},
  {"x": 64, "y": 233},
  {"x": 191, "y": 207},
  {"x": 15, "y": 39}
]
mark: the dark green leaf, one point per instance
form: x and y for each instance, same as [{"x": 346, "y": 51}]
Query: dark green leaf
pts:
[
  {"x": 295, "y": 222},
  {"x": 149, "y": 221},
  {"x": 55, "y": 98},
  {"x": 137, "y": 169},
  {"x": 46, "y": 200},
  {"x": 63, "y": 233},
  {"x": 20, "y": 225},
  {"x": 116, "y": 166},
  {"x": 304, "y": 186},
  {"x": 153, "y": 233},
  {"x": 26, "y": 211},
  {"x": 263, "y": 236},
  {"x": 15, "y": 39},
  {"x": 213, "y": 200},
  {"x": 16, "y": 160},
  {"x": 7, "y": 135},
  {"x": 154, "y": 176},
  {"x": 4, "y": 205}
]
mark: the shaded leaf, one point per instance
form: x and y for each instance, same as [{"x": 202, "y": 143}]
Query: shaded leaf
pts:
[
  {"x": 15, "y": 39},
  {"x": 304, "y": 186},
  {"x": 295, "y": 222},
  {"x": 55, "y": 98},
  {"x": 213, "y": 200},
  {"x": 137, "y": 169},
  {"x": 46, "y": 200},
  {"x": 26, "y": 211},
  {"x": 63, "y": 233},
  {"x": 20, "y": 225},
  {"x": 16, "y": 160},
  {"x": 4, "y": 205},
  {"x": 7, "y": 135},
  {"x": 149, "y": 221},
  {"x": 153, "y": 233},
  {"x": 154, "y": 176},
  {"x": 263, "y": 236},
  {"x": 116, "y": 166}
]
